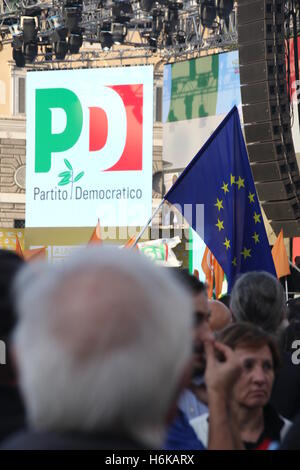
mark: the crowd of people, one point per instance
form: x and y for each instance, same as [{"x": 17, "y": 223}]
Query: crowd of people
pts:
[{"x": 109, "y": 351}]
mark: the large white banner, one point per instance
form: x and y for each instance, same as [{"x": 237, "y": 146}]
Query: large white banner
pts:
[{"x": 89, "y": 147}]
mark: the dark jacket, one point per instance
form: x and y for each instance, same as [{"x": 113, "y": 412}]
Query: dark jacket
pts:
[
  {"x": 29, "y": 440},
  {"x": 286, "y": 391},
  {"x": 12, "y": 414}
]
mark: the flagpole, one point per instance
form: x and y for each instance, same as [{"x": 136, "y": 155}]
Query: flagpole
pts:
[
  {"x": 149, "y": 221},
  {"x": 286, "y": 289}
]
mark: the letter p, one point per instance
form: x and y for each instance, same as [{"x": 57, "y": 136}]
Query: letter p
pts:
[{"x": 47, "y": 142}]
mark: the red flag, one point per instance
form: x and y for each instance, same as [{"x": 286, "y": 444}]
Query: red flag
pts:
[
  {"x": 96, "y": 235},
  {"x": 130, "y": 242},
  {"x": 19, "y": 248},
  {"x": 36, "y": 253}
]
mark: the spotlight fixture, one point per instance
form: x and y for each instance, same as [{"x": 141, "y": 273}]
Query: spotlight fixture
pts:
[
  {"x": 17, "y": 54},
  {"x": 30, "y": 26},
  {"x": 48, "y": 54},
  {"x": 58, "y": 35},
  {"x": 121, "y": 11},
  {"x": 224, "y": 8},
  {"x": 152, "y": 41},
  {"x": 72, "y": 18},
  {"x": 106, "y": 40},
  {"x": 146, "y": 5},
  {"x": 119, "y": 32},
  {"x": 181, "y": 37},
  {"x": 208, "y": 13},
  {"x": 168, "y": 40},
  {"x": 17, "y": 44},
  {"x": 74, "y": 43}
]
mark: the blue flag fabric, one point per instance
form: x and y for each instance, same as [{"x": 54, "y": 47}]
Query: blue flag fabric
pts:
[{"x": 220, "y": 178}]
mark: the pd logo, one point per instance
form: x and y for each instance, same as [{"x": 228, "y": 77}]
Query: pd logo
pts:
[{"x": 115, "y": 124}]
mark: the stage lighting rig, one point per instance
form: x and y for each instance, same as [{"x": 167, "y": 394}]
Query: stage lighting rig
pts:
[{"x": 169, "y": 28}]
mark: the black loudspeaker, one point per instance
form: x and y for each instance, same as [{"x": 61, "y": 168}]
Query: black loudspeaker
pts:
[
  {"x": 265, "y": 151},
  {"x": 263, "y": 50},
  {"x": 275, "y": 190},
  {"x": 291, "y": 228},
  {"x": 258, "y": 92},
  {"x": 282, "y": 210},
  {"x": 254, "y": 11},
  {"x": 263, "y": 132},
  {"x": 255, "y": 32},
  {"x": 266, "y": 111},
  {"x": 270, "y": 171},
  {"x": 262, "y": 71}
]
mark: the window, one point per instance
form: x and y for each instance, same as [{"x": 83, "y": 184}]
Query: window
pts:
[
  {"x": 19, "y": 91},
  {"x": 19, "y": 223},
  {"x": 21, "y": 97},
  {"x": 158, "y": 104}
]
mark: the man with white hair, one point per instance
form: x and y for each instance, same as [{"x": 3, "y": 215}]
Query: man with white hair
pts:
[{"x": 103, "y": 347}]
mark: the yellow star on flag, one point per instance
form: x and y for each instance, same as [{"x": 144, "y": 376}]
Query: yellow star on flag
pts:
[
  {"x": 255, "y": 237},
  {"x": 219, "y": 204},
  {"x": 227, "y": 243},
  {"x": 225, "y": 188},
  {"x": 240, "y": 183},
  {"x": 246, "y": 253},
  {"x": 232, "y": 179},
  {"x": 251, "y": 197},
  {"x": 220, "y": 225},
  {"x": 234, "y": 261},
  {"x": 256, "y": 218}
]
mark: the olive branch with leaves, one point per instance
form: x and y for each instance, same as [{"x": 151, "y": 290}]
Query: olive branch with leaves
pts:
[{"x": 68, "y": 176}]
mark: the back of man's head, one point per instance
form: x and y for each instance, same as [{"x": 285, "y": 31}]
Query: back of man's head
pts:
[
  {"x": 258, "y": 297},
  {"x": 194, "y": 285},
  {"x": 220, "y": 315},
  {"x": 102, "y": 342}
]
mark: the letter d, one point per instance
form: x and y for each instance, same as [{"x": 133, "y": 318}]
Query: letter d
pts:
[{"x": 45, "y": 142}]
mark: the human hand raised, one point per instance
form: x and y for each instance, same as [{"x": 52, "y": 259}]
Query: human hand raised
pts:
[{"x": 223, "y": 368}]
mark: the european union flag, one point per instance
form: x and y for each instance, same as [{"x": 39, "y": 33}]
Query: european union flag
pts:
[{"x": 220, "y": 178}]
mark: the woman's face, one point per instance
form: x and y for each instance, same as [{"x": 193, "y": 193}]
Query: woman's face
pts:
[{"x": 253, "y": 388}]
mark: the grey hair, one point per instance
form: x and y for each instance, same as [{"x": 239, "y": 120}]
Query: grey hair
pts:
[
  {"x": 129, "y": 379},
  {"x": 258, "y": 298}
]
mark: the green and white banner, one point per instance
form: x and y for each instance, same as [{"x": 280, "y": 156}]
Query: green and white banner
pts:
[{"x": 197, "y": 95}]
